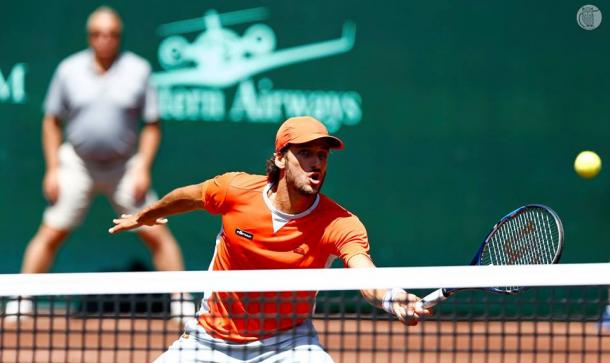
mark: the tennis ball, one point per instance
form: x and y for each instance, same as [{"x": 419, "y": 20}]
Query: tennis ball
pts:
[{"x": 587, "y": 164}]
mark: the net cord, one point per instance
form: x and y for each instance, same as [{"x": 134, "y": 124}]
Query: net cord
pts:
[{"x": 304, "y": 279}]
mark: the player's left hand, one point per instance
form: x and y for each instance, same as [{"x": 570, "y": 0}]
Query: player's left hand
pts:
[
  {"x": 406, "y": 310},
  {"x": 128, "y": 222}
]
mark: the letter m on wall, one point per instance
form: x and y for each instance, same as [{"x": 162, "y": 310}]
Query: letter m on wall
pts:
[{"x": 12, "y": 87}]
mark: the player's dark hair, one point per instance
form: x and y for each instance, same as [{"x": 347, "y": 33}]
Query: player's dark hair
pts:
[{"x": 273, "y": 172}]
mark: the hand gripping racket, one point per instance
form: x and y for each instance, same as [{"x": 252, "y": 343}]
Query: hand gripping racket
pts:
[{"x": 530, "y": 235}]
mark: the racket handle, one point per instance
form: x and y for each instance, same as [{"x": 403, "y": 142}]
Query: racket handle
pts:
[{"x": 432, "y": 299}]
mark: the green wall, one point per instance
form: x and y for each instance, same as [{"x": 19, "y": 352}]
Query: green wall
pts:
[{"x": 468, "y": 110}]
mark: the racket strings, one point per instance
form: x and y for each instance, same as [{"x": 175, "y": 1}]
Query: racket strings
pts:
[
  {"x": 548, "y": 238},
  {"x": 529, "y": 246},
  {"x": 529, "y": 237}
]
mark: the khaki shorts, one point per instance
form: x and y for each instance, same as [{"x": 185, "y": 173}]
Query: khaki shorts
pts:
[{"x": 80, "y": 182}]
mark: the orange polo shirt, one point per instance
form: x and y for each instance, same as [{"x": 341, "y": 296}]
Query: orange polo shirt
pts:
[{"x": 256, "y": 236}]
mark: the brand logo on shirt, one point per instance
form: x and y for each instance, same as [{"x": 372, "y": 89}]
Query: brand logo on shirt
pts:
[
  {"x": 244, "y": 234},
  {"x": 198, "y": 72},
  {"x": 12, "y": 87}
]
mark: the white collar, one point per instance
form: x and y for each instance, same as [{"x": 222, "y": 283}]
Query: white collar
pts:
[{"x": 280, "y": 218}]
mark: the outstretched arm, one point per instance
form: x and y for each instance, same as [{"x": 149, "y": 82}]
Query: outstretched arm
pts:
[
  {"x": 395, "y": 301},
  {"x": 177, "y": 201}
]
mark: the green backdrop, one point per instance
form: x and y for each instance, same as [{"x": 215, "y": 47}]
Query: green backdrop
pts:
[{"x": 468, "y": 110}]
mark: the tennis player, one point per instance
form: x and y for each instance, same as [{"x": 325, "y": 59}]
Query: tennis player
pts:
[{"x": 277, "y": 221}]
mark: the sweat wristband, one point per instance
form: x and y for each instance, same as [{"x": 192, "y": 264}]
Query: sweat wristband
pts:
[{"x": 389, "y": 298}]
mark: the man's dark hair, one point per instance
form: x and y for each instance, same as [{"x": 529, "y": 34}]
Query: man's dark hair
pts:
[{"x": 273, "y": 172}]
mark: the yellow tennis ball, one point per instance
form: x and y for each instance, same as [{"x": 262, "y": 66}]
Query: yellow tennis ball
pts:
[{"x": 587, "y": 164}]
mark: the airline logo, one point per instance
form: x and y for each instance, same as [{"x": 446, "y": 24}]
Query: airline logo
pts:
[{"x": 212, "y": 77}]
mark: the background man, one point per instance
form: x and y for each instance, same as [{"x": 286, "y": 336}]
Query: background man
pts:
[
  {"x": 91, "y": 145},
  {"x": 277, "y": 221}
]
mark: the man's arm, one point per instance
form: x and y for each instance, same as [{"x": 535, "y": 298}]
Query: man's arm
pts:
[
  {"x": 179, "y": 200},
  {"x": 150, "y": 138},
  {"x": 51, "y": 140},
  {"x": 395, "y": 301}
]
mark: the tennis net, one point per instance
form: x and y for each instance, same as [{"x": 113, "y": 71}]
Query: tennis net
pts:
[{"x": 127, "y": 317}]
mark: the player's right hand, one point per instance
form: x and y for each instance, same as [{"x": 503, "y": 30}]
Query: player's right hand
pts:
[
  {"x": 128, "y": 222},
  {"x": 50, "y": 186},
  {"x": 405, "y": 308}
]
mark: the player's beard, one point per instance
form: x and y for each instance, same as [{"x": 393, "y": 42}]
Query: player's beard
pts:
[{"x": 300, "y": 183}]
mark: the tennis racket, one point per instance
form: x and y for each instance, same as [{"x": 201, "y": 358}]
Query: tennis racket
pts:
[{"x": 530, "y": 235}]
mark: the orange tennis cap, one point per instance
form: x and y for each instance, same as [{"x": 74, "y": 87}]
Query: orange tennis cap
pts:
[{"x": 302, "y": 129}]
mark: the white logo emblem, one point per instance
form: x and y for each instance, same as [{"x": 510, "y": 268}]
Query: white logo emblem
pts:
[{"x": 589, "y": 17}]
